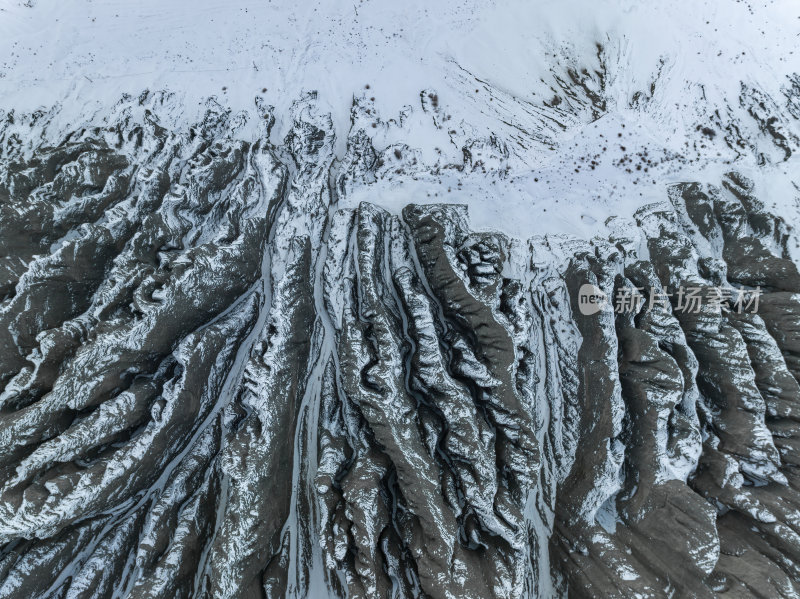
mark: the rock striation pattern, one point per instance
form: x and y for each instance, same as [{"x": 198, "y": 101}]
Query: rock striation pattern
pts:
[{"x": 217, "y": 382}]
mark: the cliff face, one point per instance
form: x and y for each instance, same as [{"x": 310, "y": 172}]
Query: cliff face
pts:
[{"x": 219, "y": 380}]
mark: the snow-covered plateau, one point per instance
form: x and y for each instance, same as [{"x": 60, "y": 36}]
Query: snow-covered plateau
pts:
[{"x": 293, "y": 299}]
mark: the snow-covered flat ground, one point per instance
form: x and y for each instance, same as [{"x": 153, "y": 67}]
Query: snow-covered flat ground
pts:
[{"x": 670, "y": 76}]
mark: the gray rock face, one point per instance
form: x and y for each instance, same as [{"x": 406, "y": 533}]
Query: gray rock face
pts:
[{"x": 215, "y": 381}]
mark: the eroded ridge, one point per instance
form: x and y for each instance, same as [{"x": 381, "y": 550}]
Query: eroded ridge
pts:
[{"x": 216, "y": 381}]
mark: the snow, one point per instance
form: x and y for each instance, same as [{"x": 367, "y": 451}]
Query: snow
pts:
[
  {"x": 83, "y": 55},
  {"x": 432, "y": 79}
]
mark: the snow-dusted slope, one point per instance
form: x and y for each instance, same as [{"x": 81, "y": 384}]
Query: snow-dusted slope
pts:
[{"x": 289, "y": 299}]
